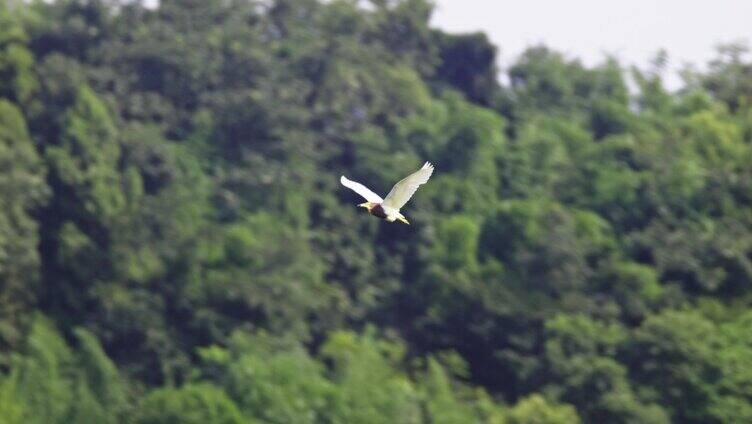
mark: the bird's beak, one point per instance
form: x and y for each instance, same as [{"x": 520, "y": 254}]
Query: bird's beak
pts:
[
  {"x": 403, "y": 220},
  {"x": 363, "y": 205}
]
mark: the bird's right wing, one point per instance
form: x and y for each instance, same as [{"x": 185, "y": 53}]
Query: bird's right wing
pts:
[
  {"x": 404, "y": 190},
  {"x": 361, "y": 189}
]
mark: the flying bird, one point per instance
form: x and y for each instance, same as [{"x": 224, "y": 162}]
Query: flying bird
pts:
[{"x": 389, "y": 208}]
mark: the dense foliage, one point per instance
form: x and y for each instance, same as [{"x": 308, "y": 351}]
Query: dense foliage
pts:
[{"x": 175, "y": 246}]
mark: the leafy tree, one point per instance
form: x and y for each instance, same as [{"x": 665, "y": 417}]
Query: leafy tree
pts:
[
  {"x": 441, "y": 404},
  {"x": 468, "y": 63},
  {"x": 371, "y": 389},
  {"x": 197, "y": 403},
  {"x": 582, "y": 353},
  {"x": 17, "y": 81},
  {"x": 698, "y": 361},
  {"x": 536, "y": 409},
  {"x": 56, "y": 383},
  {"x": 23, "y": 191},
  {"x": 729, "y": 76},
  {"x": 271, "y": 379}
]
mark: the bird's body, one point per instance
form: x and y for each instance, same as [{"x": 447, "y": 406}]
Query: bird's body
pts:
[
  {"x": 379, "y": 211},
  {"x": 389, "y": 207}
]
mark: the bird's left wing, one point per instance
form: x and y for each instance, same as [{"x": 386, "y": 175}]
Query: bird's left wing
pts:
[
  {"x": 361, "y": 189},
  {"x": 404, "y": 190}
]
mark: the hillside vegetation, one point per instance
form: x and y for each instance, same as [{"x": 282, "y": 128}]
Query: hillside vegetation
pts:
[{"x": 175, "y": 246}]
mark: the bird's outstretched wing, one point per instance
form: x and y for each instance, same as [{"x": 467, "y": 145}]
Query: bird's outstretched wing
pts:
[
  {"x": 404, "y": 190},
  {"x": 361, "y": 189}
]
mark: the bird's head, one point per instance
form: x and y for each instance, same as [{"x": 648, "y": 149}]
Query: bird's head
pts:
[{"x": 368, "y": 205}]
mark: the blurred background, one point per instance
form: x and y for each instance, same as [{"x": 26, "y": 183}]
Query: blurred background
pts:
[{"x": 175, "y": 246}]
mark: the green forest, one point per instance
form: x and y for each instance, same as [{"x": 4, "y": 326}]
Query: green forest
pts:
[{"x": 175, "y": 245}]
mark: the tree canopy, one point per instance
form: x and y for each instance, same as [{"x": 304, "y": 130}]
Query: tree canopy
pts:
[{"x": 175, "y": 246}]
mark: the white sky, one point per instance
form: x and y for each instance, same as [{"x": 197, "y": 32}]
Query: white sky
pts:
[{"x": 632, "y": 30}]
